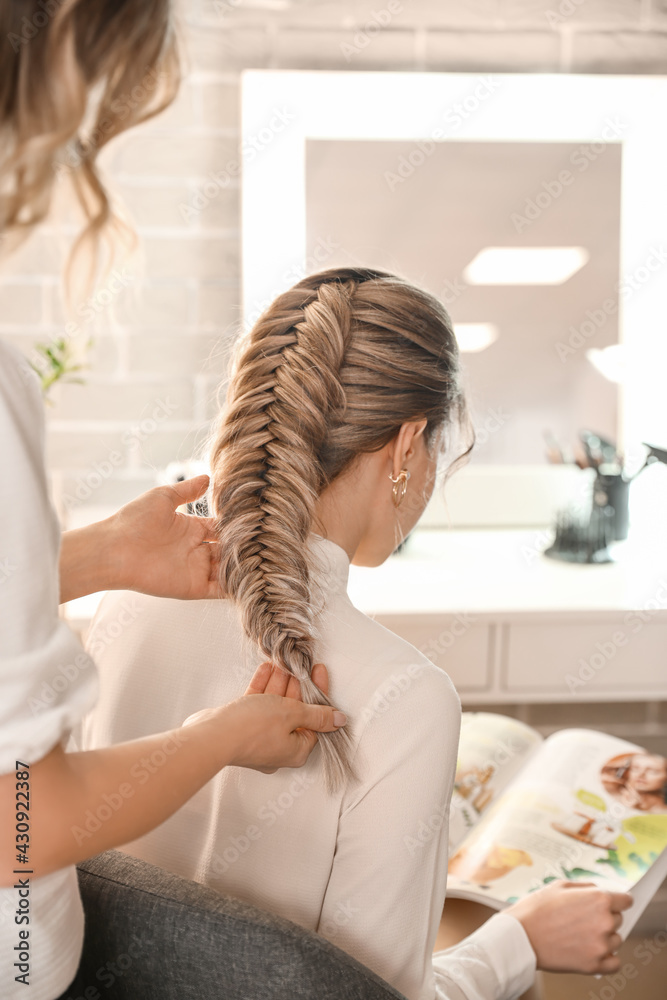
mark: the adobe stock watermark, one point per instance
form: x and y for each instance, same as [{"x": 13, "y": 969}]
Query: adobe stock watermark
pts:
[
  {"x": 390, "y": 692},
  {"x": 223, "y": 8},
  {"x": 91, "y": 308},
  {"x": 564, "y": 10},
  {"x": 140, "y": 773},
  {"x": 322, "y": 251},
  {"x": 453, "y": 117},
  {"x": 251, "y": 147},
  {"x": 267, "y": 815},
  {"x": 554, "y": 188},
  {"x": 396, "y": 685},
  {"x": 101, "y": 638},
  {"x": 448, "y": 637},
  {"x": 429, "y": 828},
  {"x": 451, "y": 291},
  {"x": 597, "y": 318},
  {"x": 606, "y": 650},
  {"x": 539, "y": 542},
  {"x": 31, "y": 26},
  {"x": 492, "y": 423},
  {"x": 570, "y": 853},
  {"x": 121, "y": 108},
  {"x": 7, "y": 570},
  {"x": 543, "y": 538},
  {"x": 67, "y": 674},
  {"x": 131, "y": 440},
  {"x": 332, "y": 924},
  {"x": 644, "y": 952},
  {"x": 376, "y": 23},
  {"x": 112, "y": 970}
]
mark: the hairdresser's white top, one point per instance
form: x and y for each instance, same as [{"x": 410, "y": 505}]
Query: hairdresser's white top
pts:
[
  {"x": 47, "y": 682},
  {"x": 366, "y": 867}
]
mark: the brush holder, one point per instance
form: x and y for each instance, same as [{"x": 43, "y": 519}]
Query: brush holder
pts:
[{"x": 613, "y": 491}]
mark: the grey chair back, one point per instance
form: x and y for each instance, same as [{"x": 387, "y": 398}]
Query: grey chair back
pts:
[{"x": 150, "y": 934}]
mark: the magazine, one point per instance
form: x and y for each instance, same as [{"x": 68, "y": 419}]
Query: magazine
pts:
[{"x": 580, "y": 805}]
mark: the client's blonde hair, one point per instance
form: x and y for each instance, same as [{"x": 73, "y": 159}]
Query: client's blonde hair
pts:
[{"x": 331, "y": 370}]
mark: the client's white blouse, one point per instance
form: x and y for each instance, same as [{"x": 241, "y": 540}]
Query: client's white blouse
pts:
[{"x": 353, "y": 865}]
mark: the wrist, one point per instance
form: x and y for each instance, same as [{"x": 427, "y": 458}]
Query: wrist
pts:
[
  {"x": 86, "y": 562},
  {"x": 113, "y": 554},
  {"x": 216, "y": 730},
  {"x": 525, "y": 913}
]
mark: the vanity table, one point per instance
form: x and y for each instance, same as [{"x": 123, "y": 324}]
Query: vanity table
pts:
[{"x": 511, "y": 626}]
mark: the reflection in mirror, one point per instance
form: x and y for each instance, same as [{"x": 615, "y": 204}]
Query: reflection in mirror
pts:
[{"x": 554, "y": 208}]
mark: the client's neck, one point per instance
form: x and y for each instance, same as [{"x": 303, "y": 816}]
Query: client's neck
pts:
[{"x": 344, "y": 509}]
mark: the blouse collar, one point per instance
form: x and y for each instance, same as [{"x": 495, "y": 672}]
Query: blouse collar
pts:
[{"x": 330, "y": 564}]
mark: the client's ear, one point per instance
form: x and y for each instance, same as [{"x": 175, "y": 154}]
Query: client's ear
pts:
[{"x": 403, "y": 445}]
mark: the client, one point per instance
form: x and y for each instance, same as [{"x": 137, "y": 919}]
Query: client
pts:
[{"x": 342, "y": 399}]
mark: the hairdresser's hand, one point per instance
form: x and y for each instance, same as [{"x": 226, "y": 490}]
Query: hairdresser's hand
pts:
[
  {"x": 269, "y": 679},
  {"x": 147, "y": 546},
  {"x": 270, "y": 727},
  {"x": 573, "y": 926}
]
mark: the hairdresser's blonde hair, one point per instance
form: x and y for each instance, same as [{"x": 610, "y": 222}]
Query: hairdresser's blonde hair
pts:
[
  {"x": 55, "y": 53},
  {"x": 332, "y": 369}
]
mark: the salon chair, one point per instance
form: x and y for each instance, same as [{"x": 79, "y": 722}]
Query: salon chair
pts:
[{"x": 151, "y": 935}]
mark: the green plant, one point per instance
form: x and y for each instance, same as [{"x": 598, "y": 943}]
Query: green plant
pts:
[{"x": 57, "y": 362}]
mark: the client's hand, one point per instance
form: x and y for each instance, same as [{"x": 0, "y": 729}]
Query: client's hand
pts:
[
  {"x": 270, "y": 727},
  {"x": 573, "y": 926}
]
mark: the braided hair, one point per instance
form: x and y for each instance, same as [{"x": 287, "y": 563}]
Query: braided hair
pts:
[{"x": 331, "y": 370}]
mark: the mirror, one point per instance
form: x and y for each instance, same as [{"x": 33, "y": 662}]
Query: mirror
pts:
[
  {"x": 431, "y": 223},
  {"x": 532, "y": 205}
]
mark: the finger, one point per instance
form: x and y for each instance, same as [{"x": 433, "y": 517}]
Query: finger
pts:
[
  {"x": 214, "y": 568},
  {"x": 611, "y": 963},
  {"x": 620, "y": 901},
  {"x": 188, "y": 490},
  {"x": 308, "y": 741},
  {"x": 304, "y": 743},
  {"x": 618, "y": 920},
  {"x": 319, "y": 718},
  {"x": 260, "y": 679},
  {"x": 209, "y": 528},
  {"x": 320, "y": 676},
  {"x": 615, "y": 942},
  {"x": 567, "y": 884},
  {"x": 278, "y": 681},
  {"x": 293, "y": 689},
  {"x": 214, "y": 590}
]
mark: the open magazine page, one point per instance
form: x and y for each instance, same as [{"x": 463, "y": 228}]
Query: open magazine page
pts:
[
  {"x": 492, "y": 749},
  {"x": 586, "y": 806}
]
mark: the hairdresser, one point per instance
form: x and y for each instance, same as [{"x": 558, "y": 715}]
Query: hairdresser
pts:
[{"x": 114, "y": 63}]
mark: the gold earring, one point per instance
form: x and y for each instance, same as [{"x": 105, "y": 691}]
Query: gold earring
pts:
[{"x": 400, "y": 487}]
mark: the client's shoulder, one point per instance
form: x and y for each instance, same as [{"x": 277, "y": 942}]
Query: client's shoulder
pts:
[{"x": 386, "y": 666}]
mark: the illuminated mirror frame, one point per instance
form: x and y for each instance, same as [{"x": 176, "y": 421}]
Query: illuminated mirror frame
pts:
[{"x": 282, "y": 109}]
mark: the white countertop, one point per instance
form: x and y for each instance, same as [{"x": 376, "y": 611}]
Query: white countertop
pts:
[
  {"x": 489, "y": 572},
  {"x": 494, "y": 572}
]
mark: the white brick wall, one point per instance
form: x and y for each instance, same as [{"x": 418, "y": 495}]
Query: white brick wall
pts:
[{"x": 166, "y": 337}]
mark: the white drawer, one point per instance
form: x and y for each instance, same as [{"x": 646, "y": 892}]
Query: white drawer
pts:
[
  {"x": 453, "y": 642},
  {"x": 585, "y": 659}
]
